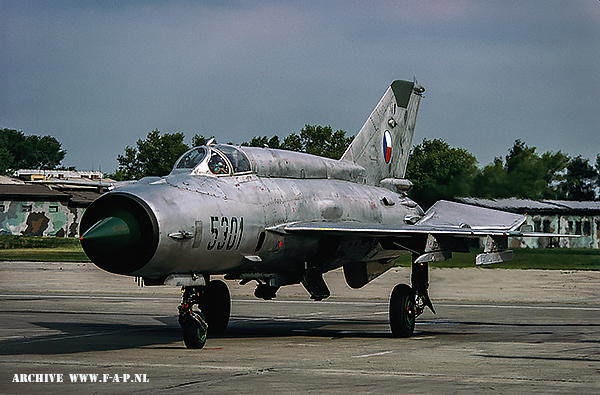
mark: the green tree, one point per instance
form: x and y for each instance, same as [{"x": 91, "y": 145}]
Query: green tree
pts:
[
  {"x": 492, "y": 181},
  {"x": 555, "y": 164},
  {"x": 439, "y": 171},
  {"x": 263, "y": 141},
  {"x": 312, "y": 139},
  {"x": 580, "y": 180},
  {"x": 198, "y": 140},
  {"x": 322, "y": 141},
  {"x": 292, "y": 142},
  {"x": 6, "y": 160},
  {"x": 18, "y": 151},
  {"x": 154, "y": 156},
  {"x": 524, "y": 174}
]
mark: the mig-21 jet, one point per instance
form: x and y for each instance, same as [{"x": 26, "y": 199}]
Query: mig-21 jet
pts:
[{"x": 280, "y": 217}]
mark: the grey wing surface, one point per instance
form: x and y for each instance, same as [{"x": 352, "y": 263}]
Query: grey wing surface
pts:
[
  {"x": 443, "y": 218},
  {"x": 442, "y": 230}
]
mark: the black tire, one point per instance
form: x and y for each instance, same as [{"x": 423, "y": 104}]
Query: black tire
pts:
[
  {"x": 194, "y": 333},
  {"x": 215, "y": 304},
  {"x": 402, "y": 311}
]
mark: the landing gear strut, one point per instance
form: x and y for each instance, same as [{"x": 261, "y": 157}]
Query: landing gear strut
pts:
[
  {"x": 407, "y": 303},
  {"x": 214, "y": 302},
  {"x": 193, "y": 324}
]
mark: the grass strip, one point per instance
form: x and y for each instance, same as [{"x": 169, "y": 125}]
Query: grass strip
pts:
[
  {"x": 542, "y": 259},
  {"x": 64, "y": 249}
]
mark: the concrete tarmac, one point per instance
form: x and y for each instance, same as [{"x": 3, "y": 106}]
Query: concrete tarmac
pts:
[{"x": 495, "y": 331}]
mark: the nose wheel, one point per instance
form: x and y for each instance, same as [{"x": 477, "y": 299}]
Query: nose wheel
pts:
[
  {"x": 195, "y": 327},
  {"x": 215, "y": 304}
]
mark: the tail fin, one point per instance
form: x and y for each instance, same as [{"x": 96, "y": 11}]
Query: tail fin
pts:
[{"x": 383, "y": 144}]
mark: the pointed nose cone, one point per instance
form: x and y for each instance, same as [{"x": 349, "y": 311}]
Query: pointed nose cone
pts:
[{"x": 109, "y": 234}]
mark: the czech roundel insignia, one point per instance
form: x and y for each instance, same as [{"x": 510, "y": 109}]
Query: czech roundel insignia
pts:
[{"x": 387, "y": 146}]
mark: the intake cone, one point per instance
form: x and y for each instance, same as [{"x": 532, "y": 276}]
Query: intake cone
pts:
[{"x": 109, "y": 234}]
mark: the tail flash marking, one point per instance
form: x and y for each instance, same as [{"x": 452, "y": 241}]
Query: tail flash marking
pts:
[{"x": 387, "y": 146}]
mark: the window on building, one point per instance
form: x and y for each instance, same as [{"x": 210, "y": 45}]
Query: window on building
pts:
[
  {"x": 53, "y": 209},
  {"x": 26, "y": 208},
  {"x": 577, "y": 227},
  {"x": 570, "y": 227},
  {"x": 587, "y": 228},
  {"x": 546, "y": 228},
  {"x": 537, "y": 225},
  {"x": 2, "y": 209}
]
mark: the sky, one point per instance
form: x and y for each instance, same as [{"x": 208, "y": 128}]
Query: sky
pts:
[{"x": 99, "y": 75}]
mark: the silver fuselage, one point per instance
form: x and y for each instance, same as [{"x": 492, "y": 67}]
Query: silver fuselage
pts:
[{"x": 231, "y": 222}]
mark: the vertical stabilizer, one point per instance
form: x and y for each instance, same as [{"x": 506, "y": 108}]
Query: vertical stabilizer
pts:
[{"x": 383, "y": 144}]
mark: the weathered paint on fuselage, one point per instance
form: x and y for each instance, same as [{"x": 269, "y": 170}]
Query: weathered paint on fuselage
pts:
[{"x": 228, "y": 215}]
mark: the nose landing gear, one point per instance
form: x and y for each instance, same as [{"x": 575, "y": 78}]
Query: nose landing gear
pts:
[
  {"x": 215, "y": 305},
  {"x": 193, "y": 324}
]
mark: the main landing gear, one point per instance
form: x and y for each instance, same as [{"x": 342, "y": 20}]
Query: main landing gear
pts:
[
  {"x": 407, "y": 303},
  {"x": 402, "y": 311},
  {"x": 215, "y": 306}
]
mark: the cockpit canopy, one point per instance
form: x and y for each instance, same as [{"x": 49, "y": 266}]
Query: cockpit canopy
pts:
[{"x": 215, "y": 160}]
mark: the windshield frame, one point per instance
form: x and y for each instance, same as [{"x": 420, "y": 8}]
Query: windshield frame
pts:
[
  {"x": 226, "y": 153},
  {"x": 178, "y": 164},
  {"x": 239, "y": 161}
]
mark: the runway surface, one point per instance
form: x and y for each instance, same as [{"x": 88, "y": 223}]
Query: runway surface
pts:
[{"x": 494, "y": 332}]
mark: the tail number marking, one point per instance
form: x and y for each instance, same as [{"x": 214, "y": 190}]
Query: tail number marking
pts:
[{"x": 227, "y": 233}]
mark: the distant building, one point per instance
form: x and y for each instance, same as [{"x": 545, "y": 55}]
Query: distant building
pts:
[
  {"x": 551, "y": 216},
  {"x": 48, "y": 202},
  {"x": 71, "y": 174}
]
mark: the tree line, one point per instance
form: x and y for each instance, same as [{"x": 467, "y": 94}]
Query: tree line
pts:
[
  {"x": 156, "y": 154},
  {"x": 437, "y": 170},
  {"x": 19, "y": 151}
]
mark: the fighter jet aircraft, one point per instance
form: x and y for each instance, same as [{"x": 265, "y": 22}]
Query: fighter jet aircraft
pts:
[{"x": 278, "y": 217}]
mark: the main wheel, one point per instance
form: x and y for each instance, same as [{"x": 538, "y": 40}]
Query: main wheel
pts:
[
  {"x": 194, "y": 330},
  {"x": 402, "y": 311},
  {"x": 215, "y": 304}
]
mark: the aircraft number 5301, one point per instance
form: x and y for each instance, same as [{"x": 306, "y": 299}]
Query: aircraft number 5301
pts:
[{"x": 227, "y": 232}]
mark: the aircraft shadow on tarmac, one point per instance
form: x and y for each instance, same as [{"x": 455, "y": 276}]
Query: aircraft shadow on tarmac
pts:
[{"x": 75, "y": 337}]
